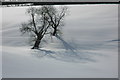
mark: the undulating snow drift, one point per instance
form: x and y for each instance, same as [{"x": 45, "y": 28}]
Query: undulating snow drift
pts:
[{"x": 87, "y": 49}]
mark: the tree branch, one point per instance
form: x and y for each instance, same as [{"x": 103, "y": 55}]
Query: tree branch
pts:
[{"x": 34, "y": 24}]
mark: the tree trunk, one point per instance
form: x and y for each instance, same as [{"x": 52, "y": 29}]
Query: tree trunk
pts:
[
  {"x": 54, "y": 32},
  {"x": 37, "y": 43}
]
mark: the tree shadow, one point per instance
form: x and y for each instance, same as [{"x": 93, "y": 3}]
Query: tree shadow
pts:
[
  {"x": 68, "y": 54},
  {"x": 65, "y": 44}
]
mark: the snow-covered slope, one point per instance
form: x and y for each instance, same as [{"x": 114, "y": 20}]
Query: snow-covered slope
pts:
[{"x": 84, "y": 50}]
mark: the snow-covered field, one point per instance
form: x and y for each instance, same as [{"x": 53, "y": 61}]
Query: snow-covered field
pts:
[
  {"x": 0, "y": 42},
  {"x": 86, "y": 49}
]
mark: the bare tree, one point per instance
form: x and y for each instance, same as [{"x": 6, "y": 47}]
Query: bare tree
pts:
[
  {"x": 38, "y": 26},
  {"x": 46, "y": 19}
]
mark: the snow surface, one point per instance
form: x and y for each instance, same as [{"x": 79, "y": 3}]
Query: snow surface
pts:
[
  {"x": 0, "y": 42},
  {"x": 85, "y": 49}
]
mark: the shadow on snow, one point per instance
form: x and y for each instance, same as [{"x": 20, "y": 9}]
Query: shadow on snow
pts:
[{"x": 69, "y": 54}]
